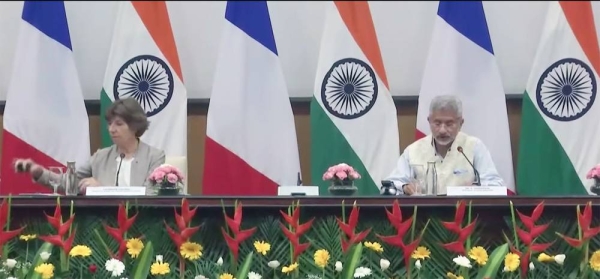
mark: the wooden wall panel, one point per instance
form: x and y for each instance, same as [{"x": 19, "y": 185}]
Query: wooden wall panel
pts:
[{"x": 407, "y": 111}]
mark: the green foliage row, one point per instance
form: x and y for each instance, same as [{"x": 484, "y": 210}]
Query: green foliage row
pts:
[{"x": 324, "y": 234}]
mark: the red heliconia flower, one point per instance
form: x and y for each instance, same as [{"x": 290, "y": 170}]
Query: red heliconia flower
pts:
[
  {"x": 527, "y": 237},
  {"x": 297, "y": 231},
  {"x": 62, "y": 229},
  {"x": 5, "y": 236},
  {"x": 183, "y": 222},
  {"x": 93, "y": 268},
  {"x": 238, "y": 235},
  {"x": 349, "y": 229},
  {"x": 402, "y": 227},
  {"x": 119, "y": 232},
  {"x": 456, "y": 227},
  {"x": 585, "y": 221}
]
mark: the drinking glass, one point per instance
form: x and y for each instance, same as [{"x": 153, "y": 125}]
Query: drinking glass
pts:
[
  {"x": 56, "y": 177},
  {"x": 418, "y": 179}
]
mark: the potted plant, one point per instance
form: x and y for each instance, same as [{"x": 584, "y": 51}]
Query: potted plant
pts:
[
  {"x": 594, "y": 173},
  {"x": 167, "y": 180},
  {"x": 342, "y": 177}
]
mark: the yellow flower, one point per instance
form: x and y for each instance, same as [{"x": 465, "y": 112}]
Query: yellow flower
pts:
[
  {"x": 451, "y": 275},
  {"x": 226, "y": 276},
  {"x": 321, "y": 258},
  {"x": 134, "y": 247},
  {"x": 420, "y": 253},
  {"x": 80, "y": 251},
  {"x": 595, "y": 261},
  {"x": 46, "y": 270},
  {"x": 191, "y": 250},
  {"x": 289, "y": 268},
  {"x": 479, "y": 255},
  {"x": 375, "y": 246},
  {"x": 159, "y": 268},
  {"x": 27, "y": 237},
  {"x": 262, "y": 247},
  {"x": 545, "y": 258},
  {"x": 511, "y": 262}
]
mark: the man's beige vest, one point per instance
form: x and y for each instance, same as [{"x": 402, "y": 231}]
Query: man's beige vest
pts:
[{"x": 453, "y": 170}]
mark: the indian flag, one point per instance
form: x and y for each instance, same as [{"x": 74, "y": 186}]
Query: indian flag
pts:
[
  {"x": 144, "y": 64},
  {"x": 560, "y": 130},
  {"x": 353, "y": 116},
  {"x": 45, "y": 117}
]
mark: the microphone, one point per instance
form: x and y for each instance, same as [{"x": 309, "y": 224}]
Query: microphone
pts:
[
  {"x": 122, "y": 155},
  {"x": 299, "y": 181},
  {"x": 477, "y": 178}
]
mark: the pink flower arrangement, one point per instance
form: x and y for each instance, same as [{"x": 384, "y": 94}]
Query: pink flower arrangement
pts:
[
  {"x": 166, "y": 175},
  {"x": 341, "y": 172},
  {"x": 594, "y": 173}
]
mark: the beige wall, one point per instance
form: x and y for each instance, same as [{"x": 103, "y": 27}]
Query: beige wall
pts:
[{"x": 407, "y": 111}]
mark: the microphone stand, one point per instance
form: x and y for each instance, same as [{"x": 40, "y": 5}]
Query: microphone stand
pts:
[
  {"x": 477, "y": 180},
  {"x": 122, "y": 155}
]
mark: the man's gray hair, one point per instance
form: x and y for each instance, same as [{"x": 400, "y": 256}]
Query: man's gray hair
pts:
[{"x": 446, "y": 102}]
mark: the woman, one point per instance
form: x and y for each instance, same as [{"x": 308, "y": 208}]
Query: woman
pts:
[{"x": 127, "y": 122}]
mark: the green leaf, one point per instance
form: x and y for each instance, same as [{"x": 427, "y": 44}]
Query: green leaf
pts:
[
  {"x": 494, "y": 262},
  {"x": 573, "y": 260},
  {"x": 245, "y": 268},
  {"x": 141, "y": 269},
  {"x": 46, "y": 247},
  {"x": 352, "y": 261}
]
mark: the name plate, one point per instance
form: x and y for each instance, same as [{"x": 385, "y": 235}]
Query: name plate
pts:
[
  {"x": 477, "y": 191},
  {"x": 115, "y": 191},
  {"x": 298, "y": 191}
]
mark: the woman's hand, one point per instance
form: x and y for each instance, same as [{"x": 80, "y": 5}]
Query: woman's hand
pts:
[
  {"x": 88, "y": 182},
  {"x": 29, "y": 166}
]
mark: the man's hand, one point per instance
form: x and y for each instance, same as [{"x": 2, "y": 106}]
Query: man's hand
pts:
[{"x": 409, "y": 189}]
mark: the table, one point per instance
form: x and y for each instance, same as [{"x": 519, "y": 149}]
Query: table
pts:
[{"x": 154, "y": 213}]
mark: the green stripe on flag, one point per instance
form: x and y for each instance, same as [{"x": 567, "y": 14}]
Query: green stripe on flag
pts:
[
  {"x": 543, "y": 167},
  {"x": 329, "y": 147},
  {"x": 105, "y": 102}
]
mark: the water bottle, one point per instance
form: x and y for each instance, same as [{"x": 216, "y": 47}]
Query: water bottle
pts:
[
  {"x": 71, "y": 187},
  {"x": 431, "y": 183}
]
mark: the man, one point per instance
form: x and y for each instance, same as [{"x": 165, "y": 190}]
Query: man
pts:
[{"x": 442, "y": 147}]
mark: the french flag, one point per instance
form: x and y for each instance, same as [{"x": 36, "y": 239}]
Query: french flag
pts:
[
  {"x": 461, "y": 61},
  {"x": 251, "y": 146},
  {"x": 45, "y": 118}
]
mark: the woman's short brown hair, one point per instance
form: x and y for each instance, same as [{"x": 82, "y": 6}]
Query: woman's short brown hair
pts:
[{"x": 131, "y": 112}]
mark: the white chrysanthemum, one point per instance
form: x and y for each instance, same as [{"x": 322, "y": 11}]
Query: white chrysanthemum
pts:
[
  {"x": 418, "y": 264},
  {"x": 45, "y": 256},
  {"x": 200, "y": 277},
  {"x": 560, "y": 258},
  {"x": 220, "y": 261},
  {"x": 384, "y": 264},
  {"x": 462, "y": 261},
  {"x": 273, "y": 264},
  {"x": 531, "y": 266},
  {"x": 254, "y": 275},
  {"x": 11, "y": 277},
  {"x": 338, "y": 266},
  {"x": 115, "y": 267},
  {"x": 159, "y": 258},
  {"x": 361, "y": 272},
  {"x": 10, "y": 263}
]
